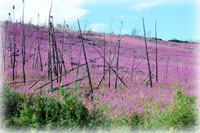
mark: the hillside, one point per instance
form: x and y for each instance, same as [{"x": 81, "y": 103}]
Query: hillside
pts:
[{"x": 177, "y": 67}]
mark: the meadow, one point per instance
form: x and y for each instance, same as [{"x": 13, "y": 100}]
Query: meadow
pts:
[{"x": 74, "y": 79}]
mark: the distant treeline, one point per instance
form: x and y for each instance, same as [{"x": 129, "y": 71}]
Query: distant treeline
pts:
[{"x": 176, "y": 40}]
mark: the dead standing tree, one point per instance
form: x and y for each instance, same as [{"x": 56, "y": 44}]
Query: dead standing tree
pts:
[
  {"x": 104, "y": 54},
  {"x": 133, "y": 64},
  {"x": 118, "y": 50},
  {"x": 10, "y": 43},
  {"x": 54, "y": 56},
  {"x": 156, "y": 52},
  {"x": 49, "y": 49},
  {"x": 63, "y": 42},
  {"x": 110, "y": 53},
  {"x": 23, "y": 46},
  {"x": 148, "y": 63},
  {"x": 14, "y": 43},
  {"x": 4, "y": 43},
  {"x": 37, "y": 49}
]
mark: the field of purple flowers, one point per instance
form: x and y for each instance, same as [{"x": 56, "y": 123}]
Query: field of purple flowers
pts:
[{"x": 132, "y": 98}]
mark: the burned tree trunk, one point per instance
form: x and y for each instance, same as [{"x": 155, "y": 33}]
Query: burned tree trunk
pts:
[
  {"x": 110, "y": 54},
  {"x": 49, "y": 49},
  {"x": 110, "y": 66},
  {"x": 118, "y": 50},
  {"x": 156, "y": 53},
  {"x": 14, "y": 43},
  {"x": 104, "y": 54},
  {"x": 23, "y": 46},
  {"x": 133, "y": 64},
  {"x": 148, "y": 63},
  {"x": 87, "y": 67}
]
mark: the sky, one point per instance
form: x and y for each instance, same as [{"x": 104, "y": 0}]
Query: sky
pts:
[{"x": 175, "y": 18}]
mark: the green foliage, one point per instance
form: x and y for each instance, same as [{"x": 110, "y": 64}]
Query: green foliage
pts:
[
  {"x": 12, "y": 104},
  {"x": 44, "y": 111},
  {"x": 181, "y": 113},
  {"x": 137, "y": 120},
  {"x": 177, "y": 40}
]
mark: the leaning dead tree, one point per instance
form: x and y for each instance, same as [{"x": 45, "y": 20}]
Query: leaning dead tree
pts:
[
  {"x": 110, "y": 64},
  {"x": 60, "y": 75},
  {"x": 110, "y": 67},
  {"x": 85, "y": 56},
  {"x": 148, "y": 63}
]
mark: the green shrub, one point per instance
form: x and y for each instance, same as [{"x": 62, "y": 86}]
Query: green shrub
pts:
[
  {"x": 43, "y": 111},
  {"x": 137, "y": 120},
  {"x": 40, "y": 111},
  {"x": 12, "y": 103},
  {"x": 181, "y": 113}
]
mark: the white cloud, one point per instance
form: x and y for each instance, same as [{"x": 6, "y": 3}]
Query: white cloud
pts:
[
  {"x": 143, "y": 5},
  {"x": 68, "y": 10},
  {"x": 98, "y": 27}
]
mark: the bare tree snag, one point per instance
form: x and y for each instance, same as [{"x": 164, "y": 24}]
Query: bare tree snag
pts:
[{"x": 148, "y": 63}]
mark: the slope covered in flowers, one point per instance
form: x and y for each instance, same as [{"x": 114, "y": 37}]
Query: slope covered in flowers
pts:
[{"x": 177, "y": 68}]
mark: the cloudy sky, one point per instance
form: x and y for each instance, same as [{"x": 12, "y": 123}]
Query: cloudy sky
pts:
[{"x": 175, "y": 18}]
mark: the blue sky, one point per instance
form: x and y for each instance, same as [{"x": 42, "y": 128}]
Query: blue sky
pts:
[{"x": 175, "y": 18}]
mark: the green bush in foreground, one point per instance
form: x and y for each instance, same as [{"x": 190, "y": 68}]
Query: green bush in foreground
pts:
[
  {"x": 44, "y": 112},
  {"x": 181, "y": 114},
  {"x": 12, "y": 105}
]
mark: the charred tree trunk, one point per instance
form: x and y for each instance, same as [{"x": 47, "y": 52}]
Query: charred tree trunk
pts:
[
  {"x": 118, "y": 50},
  {"x": 109, "y": 77},
  {"x": 87, "y": 67},
  {"x": 14, "y": 42},
  {"x": 110, "y": 67},
  {"x": 156, "y": 53},
  {"x": 104, "y": 54},
  {"x": 23, "y": 47},
  {"x": 49, "y": 49},
  {"x": 133, "y": 65},
  {"x": 148, "y": 63}
]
